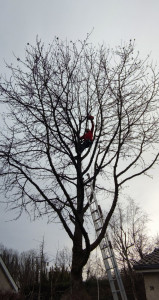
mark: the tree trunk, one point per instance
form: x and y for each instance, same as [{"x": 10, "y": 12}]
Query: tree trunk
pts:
[
  {"x": 77, "y": 252},
  {"x": 132, "y": 280},
  {"x": 76, "y": 271},
  {"x": 77, "y": 290}
]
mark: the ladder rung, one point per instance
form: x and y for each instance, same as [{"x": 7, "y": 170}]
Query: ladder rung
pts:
[
  {"x": 108, "y": 257},
  {"x": 104, "y": 247},
  {"x": 93, "y": 201},
  {"x": 94, "y": 211},
  {"x": 110, "y": 268},
  {"x": 99, "y": 228},
  {"x": 116, "y": 291},
  {"x": 97, "y": 219},
  {"x": 113, "y": 279}
]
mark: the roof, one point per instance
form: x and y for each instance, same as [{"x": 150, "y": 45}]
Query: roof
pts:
[
  {"x": 149, "y": 262},
  {"x": 8, "y": 275}
]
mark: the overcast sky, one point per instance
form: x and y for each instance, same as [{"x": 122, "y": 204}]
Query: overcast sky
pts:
[{"x": 113, "y": 22}]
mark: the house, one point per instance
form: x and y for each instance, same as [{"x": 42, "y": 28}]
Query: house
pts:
[
  {"x": 7, "y": 284},
  {"x": 149, "y": 267}
]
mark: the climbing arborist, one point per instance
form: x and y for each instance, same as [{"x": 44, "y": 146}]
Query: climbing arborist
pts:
[{"x": 87, "y": 138}]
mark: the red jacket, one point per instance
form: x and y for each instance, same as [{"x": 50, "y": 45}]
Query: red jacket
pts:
[{"x": 88, "y": 135}]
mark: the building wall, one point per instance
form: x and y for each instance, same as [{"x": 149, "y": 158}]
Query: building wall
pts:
[
  {"x": 4, "y": 283},
  {"x": 152, "y": 285}
]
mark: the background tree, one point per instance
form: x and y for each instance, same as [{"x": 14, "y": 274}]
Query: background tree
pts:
[
  {"x": 25, "y": 269},
  {"x": 59, "y": 274},
  {"x": 49, "y": 95},
  {"x": 34, "y": 279},
  {"x": 130, "y": 238},
  {"x": 11, "y": 260}
]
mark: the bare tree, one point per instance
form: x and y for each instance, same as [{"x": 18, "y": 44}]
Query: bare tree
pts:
[
  {"x": 94, "y": 267},
  {"x": 129, "y": 232},
  {"x": 156, "y": 241},
  {"x": 49, "y": 95},
  {"x": 63, "y": 259},
  {"x": 130, "y": 238}
]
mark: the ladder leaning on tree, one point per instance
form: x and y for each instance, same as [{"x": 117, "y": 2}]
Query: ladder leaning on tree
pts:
[{"x": 113, "y": 273}]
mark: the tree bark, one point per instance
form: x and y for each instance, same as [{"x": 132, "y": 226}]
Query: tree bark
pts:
[
  {"x": 77, "y": 250},
  {"x": 77, "y": 290}
]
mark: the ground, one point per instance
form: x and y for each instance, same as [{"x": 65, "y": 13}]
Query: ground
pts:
[{"x": 76, "y": 295}]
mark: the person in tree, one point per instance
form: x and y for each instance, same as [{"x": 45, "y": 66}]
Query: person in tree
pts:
[{"x": 87, "y": 138}]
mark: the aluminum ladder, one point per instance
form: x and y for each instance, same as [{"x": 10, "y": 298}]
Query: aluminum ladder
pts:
[{"x": 113, "y": 273}]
